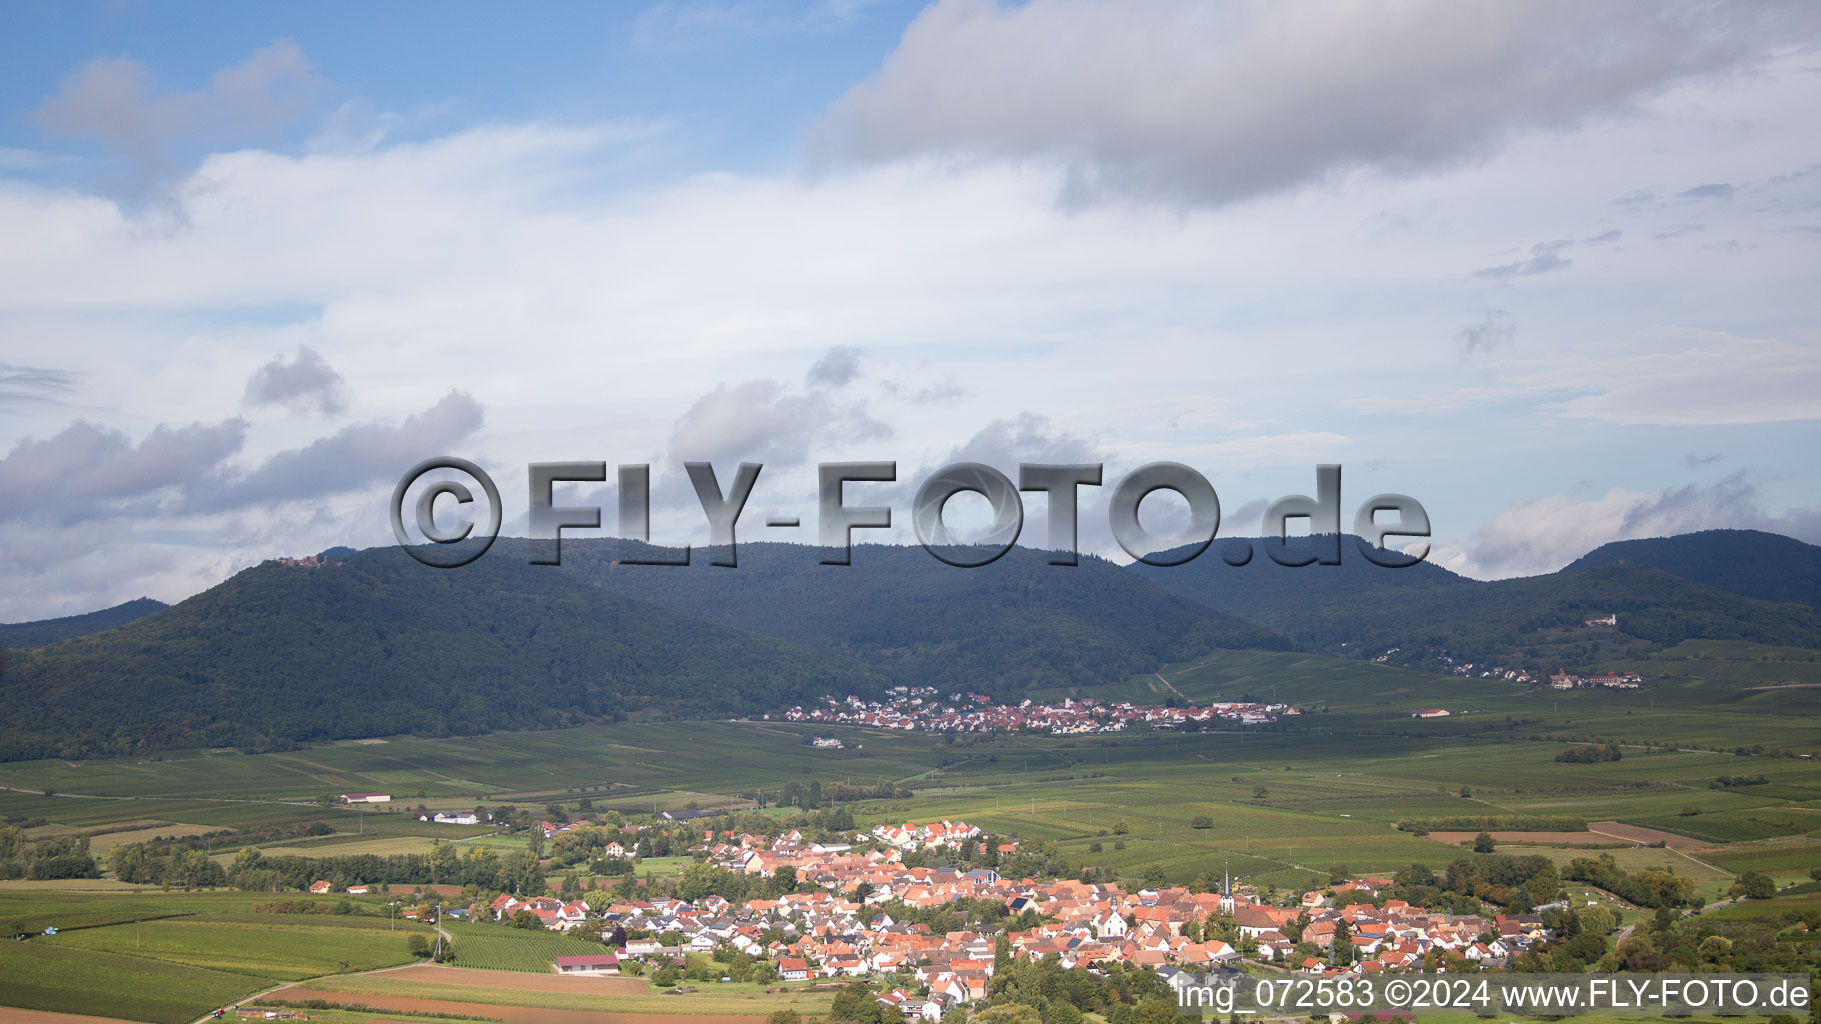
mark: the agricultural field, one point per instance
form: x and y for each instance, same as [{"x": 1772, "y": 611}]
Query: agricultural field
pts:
[
  {"x": 42, "y": 976},
  {"x": 170, "y": 957},
  {"x": 1315, "y": 793},
  {"x": 1785, "y": 862},
  {"x": 500, "y": 948},
  {"x": 287, "y": 948},
  {"x": 712, "y": 1000}
]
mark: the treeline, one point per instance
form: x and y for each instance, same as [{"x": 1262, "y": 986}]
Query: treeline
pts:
[
  {"x": 1494, "y": 823},
  {"x": 1651, "y": 887},
  {"x": 482, "y": 868},
  {"x": 1025, "y": 991},
  {"x": 813, "y": 794},
  {"x": 1676, "y": 943},
  {"x": 1042, "y": 992},
  {"x": 588, "y": 844},
  {"x": 1518, "y": 882},
  {"x": 52, "y": 857},
  {"x": 1591, "y": 753},
  {"x": 1729, "y": 781},
  {"x": 183, "y": 866}
]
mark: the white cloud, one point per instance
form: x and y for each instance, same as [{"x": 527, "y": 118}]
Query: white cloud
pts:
[
  {"x": 592, "y": 321},
  {"x": 837, "y": 368},
  {"x": 1544, "y": 257},
  {"x": 20, "y": 384},
  {"x": 1709, "y": 379},
  {"x": 1545, "y": 534},
  {"x": 304, "y": 381},
  {"x": 1494, "y": 329},
  {"x": 116, "y": 102},
  {"x": 1188, "y": 102},
  {"x": 764, "y": 421}
]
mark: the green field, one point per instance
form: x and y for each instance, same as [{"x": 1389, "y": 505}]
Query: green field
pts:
[
  {"x": 1334, "y": 782},
  {"x": 290, "y": 948},
  {"x": 43, "y": 976},
  {"x": 501, "y": 948},
  {"x": 1785, "y": 862},
  {"x": 170, "y": 957}
]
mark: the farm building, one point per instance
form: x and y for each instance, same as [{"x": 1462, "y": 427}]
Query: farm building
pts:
[{"x": 604, "y": 963}]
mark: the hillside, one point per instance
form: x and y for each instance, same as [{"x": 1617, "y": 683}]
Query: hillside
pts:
[
  {"x": 1424, "y": 609},
  {"x": 49, "y": 631},
  {"x": 1751, "y": 563},
  {"x": 378, "y": 644},
  {"x": 998, "y": 629},
  {"x": 374, "y": 644}
]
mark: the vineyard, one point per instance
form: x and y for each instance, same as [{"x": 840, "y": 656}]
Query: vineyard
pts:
[{"x": 500, "y": 948}]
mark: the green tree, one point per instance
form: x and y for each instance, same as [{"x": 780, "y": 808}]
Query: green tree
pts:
[
  {"x": 1755, "y": 885},
  {"x": 1008, "y": 1013},
  {"x": 1343, "y": 944},
  {"x": 1596, "y": 919}
]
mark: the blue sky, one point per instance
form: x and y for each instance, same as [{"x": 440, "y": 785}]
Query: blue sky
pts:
[
  {"x": 1546, "y": 267},
  {"x": 743, "y": 79}
]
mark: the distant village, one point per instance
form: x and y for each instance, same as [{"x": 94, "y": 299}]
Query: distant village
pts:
[
  {"x": 1558, "y": 680},
  {"x": 925, "y": 708},
  {"x": 838, "y": 928}
]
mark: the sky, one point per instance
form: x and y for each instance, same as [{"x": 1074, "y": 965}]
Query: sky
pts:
[{"x": 1547, "y": 267}]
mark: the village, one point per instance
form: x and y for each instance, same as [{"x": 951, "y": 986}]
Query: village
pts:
[
  {"x": 840, "y": 924},
  {"x": 1558, "y": 680},
  {"x": 923, "y": 708}
]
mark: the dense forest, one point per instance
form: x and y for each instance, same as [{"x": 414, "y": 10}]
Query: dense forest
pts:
[
  {"x": 373, "y": 643},
  {"x": 999, "y": 629},
  {"x": 379, "y": 644},
  {"x": 1373, "y": 609},
  {"x": 1750, "y": 563},
  {"x": 49, "y": 631}
]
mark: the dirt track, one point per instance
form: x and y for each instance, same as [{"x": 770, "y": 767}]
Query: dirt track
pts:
[
  {"x": 1544, "y": 838},
  {"x": 14, "y": 1015},
  {"x": 1640, "y": 834},
  {"x": 470, "y": 977},
  {"x": 513, "y": 1014},
  {"x": 1598, "y": 833}
]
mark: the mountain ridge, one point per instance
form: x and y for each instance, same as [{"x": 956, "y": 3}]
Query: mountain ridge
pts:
[
  {"x": 1750, "y": 563},
  {"x": 39, "y": 632}
]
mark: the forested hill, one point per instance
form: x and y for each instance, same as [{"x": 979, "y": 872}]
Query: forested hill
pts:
[
  {"x": 49, "y": 631},
  {"x": 373, "y": 643},
  {"x": 1372, "y": 608},
  {"x": 1752, "y": 563},
  {"x": 377, "y": 644},
  {"x": 998, "y": 629}
]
